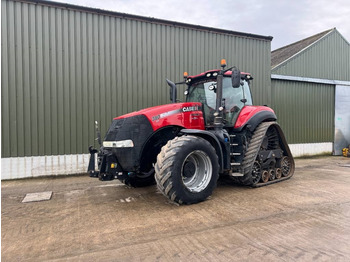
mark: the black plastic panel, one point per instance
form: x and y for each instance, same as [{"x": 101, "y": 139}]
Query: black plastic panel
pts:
[{"x": 136, "y": 128}]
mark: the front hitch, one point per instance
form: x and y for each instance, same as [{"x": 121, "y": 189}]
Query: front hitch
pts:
[
  {"x": 107, "y": 165},
  {"x": 91, "y": 168}
]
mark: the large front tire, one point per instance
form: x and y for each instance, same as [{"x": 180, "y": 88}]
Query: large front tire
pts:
[{"x": 187, "y": 169}]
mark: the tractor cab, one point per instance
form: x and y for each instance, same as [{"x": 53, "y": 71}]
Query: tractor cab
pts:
[{"x": 203, "y": 88}]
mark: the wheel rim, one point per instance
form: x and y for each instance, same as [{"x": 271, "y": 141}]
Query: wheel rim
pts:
[
  {"x": 196, "y": 171},
  {"x": 286, "y": 166},
  {"x": 256, "y": 172}
]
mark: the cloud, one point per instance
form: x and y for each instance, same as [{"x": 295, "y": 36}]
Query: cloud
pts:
[
  {"x": 286, "y": 21},
  {"x": 323, "y": 15}
]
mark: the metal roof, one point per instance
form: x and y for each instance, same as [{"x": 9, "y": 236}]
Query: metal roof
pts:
[
  {"x": 145, "y": 19},
  {"x": 282, "y": 54}
]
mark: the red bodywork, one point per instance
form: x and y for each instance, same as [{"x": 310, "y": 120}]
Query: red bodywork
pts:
[
  {"x": 188, "y": 115},
  {"x": 248, "y": 112}
]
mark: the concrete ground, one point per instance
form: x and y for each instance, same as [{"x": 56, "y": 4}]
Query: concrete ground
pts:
[{"x": 303, "y": 219}]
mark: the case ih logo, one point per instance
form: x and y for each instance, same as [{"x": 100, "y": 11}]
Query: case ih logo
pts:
[
  {"x": 190, "y": 108},
  {"x": 155, "y": 118}
]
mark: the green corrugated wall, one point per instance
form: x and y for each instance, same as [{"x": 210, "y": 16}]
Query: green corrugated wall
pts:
[
  {"x": 305, "y": 111},
  {"x": 62, "y": 68}
]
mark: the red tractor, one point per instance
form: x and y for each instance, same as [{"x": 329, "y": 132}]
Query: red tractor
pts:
[{"x": 184, "y": 147}]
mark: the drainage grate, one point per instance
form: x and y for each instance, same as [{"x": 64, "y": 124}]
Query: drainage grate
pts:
[{"x": 35, "y": 197}]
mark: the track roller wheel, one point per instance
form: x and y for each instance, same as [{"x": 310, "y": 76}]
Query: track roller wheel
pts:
[
  {"x": 187, "y": 169},
  {"x": 286, "y": 166},
  {"x": 265, "y": 176},
  {"x": 278, "y": 173},
  {"x": 267, "y": 136},
  {"x": 272, "y": 174},
  {"x": 256, "y": 172}
]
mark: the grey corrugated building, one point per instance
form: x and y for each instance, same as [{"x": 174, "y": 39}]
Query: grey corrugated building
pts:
[
  {"x": 311, "y": 92},
  {"x": 64, "y": 66}
]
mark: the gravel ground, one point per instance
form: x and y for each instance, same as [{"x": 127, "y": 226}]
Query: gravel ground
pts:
[{"x": 302, "y": 219}]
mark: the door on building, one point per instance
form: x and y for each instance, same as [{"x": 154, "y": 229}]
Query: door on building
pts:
[{"x": 341, "y": 118}]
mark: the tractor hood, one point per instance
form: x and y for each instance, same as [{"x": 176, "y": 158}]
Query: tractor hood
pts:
[
  {"x": 187, "y": 115},
  {"x": 128, "y": 134}
]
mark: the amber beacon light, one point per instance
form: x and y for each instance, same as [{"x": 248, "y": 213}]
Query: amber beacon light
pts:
[{"x": 223, "y": 62}]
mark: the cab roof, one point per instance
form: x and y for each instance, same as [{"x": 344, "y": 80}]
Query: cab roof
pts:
[{"x": 210, "y": 73}]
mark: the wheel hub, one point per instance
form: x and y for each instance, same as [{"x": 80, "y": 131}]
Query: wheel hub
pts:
[
  {"x": 196, "y": 171},
  {"x": 189, "y": 169}
]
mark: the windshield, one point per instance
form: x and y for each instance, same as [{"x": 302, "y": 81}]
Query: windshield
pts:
[{"x": 205, "y": 93}]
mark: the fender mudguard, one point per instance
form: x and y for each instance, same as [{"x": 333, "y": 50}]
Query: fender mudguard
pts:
[{"x": 256, "y": 119}]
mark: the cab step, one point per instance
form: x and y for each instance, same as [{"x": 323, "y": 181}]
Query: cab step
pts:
[
  {"x": 235, "y": 154},
  {"x": 236, "y": 174}
]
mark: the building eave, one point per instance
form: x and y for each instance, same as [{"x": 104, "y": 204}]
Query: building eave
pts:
[{"x": 145, "y": 19}]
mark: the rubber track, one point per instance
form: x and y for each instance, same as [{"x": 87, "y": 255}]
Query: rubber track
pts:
[
  {"x": 251, "y": 154},
  {"x": 165, "y": 160}
]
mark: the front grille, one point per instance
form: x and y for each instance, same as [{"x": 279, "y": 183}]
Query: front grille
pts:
[
  {"x": 138, "y": 129},
  {"x": 113, "y": 129}
]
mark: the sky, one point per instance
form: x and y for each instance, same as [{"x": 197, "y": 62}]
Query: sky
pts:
[{"x": 287, "y": 21}]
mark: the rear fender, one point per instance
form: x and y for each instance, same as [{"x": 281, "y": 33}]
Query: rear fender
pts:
[
  {"x": 212, "y": 139},
  {"x": 256, "y": 119}
]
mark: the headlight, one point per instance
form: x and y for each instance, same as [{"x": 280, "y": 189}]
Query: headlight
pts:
[{"x": 117, "y": 144}]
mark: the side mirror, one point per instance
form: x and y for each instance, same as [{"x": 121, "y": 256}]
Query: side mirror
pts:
[
  {"x": 236, "y": 78},
  {"x": 173, "y": 91}
]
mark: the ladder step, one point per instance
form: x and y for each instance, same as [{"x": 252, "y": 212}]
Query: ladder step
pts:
[
  {"x": 236, "y": 174},
  {"x": 235, "y": 154},
  {"x": 233, "y": 144},
  {"x": 235, "y": 164}
]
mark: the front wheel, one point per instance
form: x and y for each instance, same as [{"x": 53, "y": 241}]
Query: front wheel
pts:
[{"x": 187, "y": 169}]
